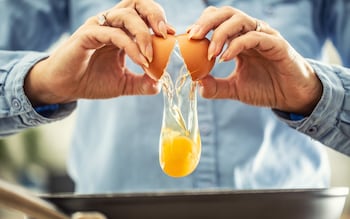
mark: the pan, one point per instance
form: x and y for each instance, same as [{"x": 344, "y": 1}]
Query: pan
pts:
[{"x": 215, "y": 204}]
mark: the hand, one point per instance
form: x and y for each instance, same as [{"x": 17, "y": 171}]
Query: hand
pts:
[
  {"x": 91, "y": 63},
  {"x": 269, "y": 72}
]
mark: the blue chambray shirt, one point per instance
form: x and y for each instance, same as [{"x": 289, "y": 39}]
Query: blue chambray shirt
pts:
[{"x": 115, "y": 143}]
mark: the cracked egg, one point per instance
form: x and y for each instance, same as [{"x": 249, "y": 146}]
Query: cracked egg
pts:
[{"x": 194, "y": 53}]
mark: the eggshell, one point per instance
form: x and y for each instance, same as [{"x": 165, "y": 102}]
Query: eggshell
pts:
[
  {"x": 194, "y": 53},
  {"x": 162, "y": 49}
]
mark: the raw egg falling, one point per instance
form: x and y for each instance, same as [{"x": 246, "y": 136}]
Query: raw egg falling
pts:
[{"x": 180, "y": 143}]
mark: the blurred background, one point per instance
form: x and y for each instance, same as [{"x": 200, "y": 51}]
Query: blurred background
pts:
[{"x": 36, "y": 158}]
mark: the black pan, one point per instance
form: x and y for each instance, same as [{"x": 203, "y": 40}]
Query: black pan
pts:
[{"x": 257, "y": 204}]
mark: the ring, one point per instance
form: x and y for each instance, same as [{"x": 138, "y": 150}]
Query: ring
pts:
[
  {"x": 102, "y": 19},
  {"x": 258, "y": 26}
]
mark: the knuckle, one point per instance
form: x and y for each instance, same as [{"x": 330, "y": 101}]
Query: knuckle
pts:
[
  {"x": 126, "y": 3},
  {"x": 128, "y": 12},
  {"x": 277, "y": 33},
  {"x": 254, "y": 34},
  {"x": 143, "y": 36},
  {"x": 210, "y": 9},
  {"x": 227, "y": 9},
  {"x": 90, "y": 20}
]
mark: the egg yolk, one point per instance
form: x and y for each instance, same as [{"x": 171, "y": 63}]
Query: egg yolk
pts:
[{"x": 179, "y": 155}]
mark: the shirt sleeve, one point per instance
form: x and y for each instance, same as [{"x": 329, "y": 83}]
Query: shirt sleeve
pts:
[
  {"x": 16, "y": 111},
  {"x": 27, "y": 26},
  {"x": 329, "y": 122}
]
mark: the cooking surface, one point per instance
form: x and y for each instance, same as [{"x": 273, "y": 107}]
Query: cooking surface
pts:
[{"x": 271, "y": 204}]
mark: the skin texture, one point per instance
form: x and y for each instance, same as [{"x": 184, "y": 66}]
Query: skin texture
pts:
[
  {"x": 91, "y": 63},
  {"x": 269, "y": 72}
]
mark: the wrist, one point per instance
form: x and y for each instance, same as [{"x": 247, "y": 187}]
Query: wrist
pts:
[
  {"x": 313, "y": 94},
  {"x": 37, "y": 86},
  {"x": 308, "y": 93}
]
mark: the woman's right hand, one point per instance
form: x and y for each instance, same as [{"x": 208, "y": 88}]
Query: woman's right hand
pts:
[{"x": 91, "y": 63}]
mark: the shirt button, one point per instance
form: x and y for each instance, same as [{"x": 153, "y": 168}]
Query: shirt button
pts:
[
  {"x": 16, "y": 104},
  {"x": 312, "y": 130}
]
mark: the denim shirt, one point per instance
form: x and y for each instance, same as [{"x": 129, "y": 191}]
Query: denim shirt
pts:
[{"x": 115, "y": 143}]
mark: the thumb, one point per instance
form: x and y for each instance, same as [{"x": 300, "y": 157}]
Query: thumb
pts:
[
  {"x": 217, "y": 88},
  {"x": 145, "y": 85}
]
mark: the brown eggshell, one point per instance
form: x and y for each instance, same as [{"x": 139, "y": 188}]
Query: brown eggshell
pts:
[
  {"x": 162, "y": 49},
  {"x": 195, "y": 55}
]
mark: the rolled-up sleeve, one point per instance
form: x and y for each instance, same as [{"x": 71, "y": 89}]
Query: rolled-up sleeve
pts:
[
  {"x": 16, "y": 111},
  {"x": 27, "y": 26},
  {"x": 329, "y": 122}
]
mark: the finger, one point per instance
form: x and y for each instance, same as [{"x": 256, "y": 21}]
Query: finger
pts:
[
  {"x": 155, "y": 16},
  {"x": 171, "y": 29},
  {"x": 94, "y": 37},
  {"x": 152, "y": 13},
  {"x": 129, "y": 20},
  {"x": 217, "y": 88},
  {"x": 213, "y": 18},
  {"x": 209, "y": 19},
  {"x": 233, "y": 27},
  {"x": 268, "y": 45},
  {"x": 137, "y": 84},
  {"x": 227, "y": 23}
]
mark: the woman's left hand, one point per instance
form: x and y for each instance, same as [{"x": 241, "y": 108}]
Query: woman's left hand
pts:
[{"x": 269, "y": 72}]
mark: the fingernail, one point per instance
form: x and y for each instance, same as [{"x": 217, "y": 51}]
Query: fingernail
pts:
[
  {"x": 224, "y": 56},
  {"x": 194, "y": 30},
  {"x": 149, "y": 52},
  {"x": 162, "y": 29},
  {"x": 211, "y": 50},
  {"x": 171, "y": 29},
  {"x": 222, "y": 59},
  {"x": 143, "y": 61},
  {"x": 157, "y": 85},
  {"x": 189, "y": 28}
]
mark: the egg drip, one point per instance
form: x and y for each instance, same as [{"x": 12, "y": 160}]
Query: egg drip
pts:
[{"x": 180, "y": 143}]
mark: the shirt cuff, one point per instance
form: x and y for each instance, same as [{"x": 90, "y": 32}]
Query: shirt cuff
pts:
[
  {"x": 17, "y": 101},
  {"x": 324, "y": 118}
]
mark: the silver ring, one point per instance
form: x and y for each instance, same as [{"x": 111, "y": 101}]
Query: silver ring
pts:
[
  {"x": 258, "y": 26},
  {"x": 102, "y": 19}
]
